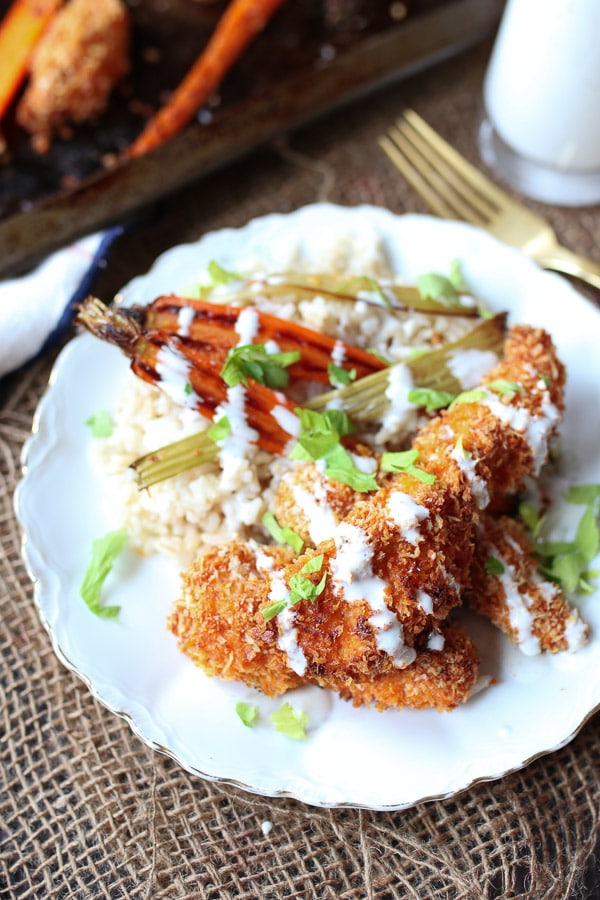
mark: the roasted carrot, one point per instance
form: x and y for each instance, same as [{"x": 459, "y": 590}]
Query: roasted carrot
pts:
[
  {"x": 212, "y": 326},
  {"x": 20, "y": 30},
  {"x": 238, "y": 26}
]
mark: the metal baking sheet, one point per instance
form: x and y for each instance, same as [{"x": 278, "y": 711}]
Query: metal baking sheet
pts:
[{"x": 300, "y": 67}]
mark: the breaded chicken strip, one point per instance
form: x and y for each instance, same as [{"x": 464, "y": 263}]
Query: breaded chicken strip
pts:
[
  {"x": 438, "y": 679},
  {"x": 507, "y": 588},
  {"x": 503, "y": 433},
  {"x": 79, "y": 60},
  {"x": 311, "y": 503},
  {"x": 218, "y": 621}
]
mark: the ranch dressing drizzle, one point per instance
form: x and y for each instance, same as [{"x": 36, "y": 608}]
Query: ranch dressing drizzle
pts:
[
  {"x": 174, "y": 371},
  {"x": 467, "y": 466},
  {"x": 185, "y": 317},
  {"x": 407, "y": 515},
  {"x": 287, "y": 640},
  {"x": 354, "y": 578},
  {"x": 322, "y": 520},
  {"x": 402, "y": 414},
  {"x": 518, "y": 603},
  {"x": 536, "y": 429},
  {"x": 234, "y": 448},
  {"x": 575, "y": 632}
]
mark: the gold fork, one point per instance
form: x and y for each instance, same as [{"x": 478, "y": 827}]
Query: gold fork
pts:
[{"x": 455, "y": 189}]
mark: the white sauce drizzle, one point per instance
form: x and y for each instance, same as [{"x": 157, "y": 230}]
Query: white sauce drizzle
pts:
[
  {"x": 518, "y": 603},
  {"x": 338, "y": 354},
  {"x": 354, "y": 578},
  {"x": 322, "y": 520},
  {"x": 536, "y": 429},
  {"x": 247, "y": 325},
  {"x": 402, "y": 414},
  {"x": 478, "y": 484},
  {"x": 174, "y": 372},
  {"x": 185, "y": 317},
  {"x": 436, "y": 641},
  {"x": 469, "y": 366},
  {"x": 407, "y": 515},
  {"x": 287, "y": 420}
]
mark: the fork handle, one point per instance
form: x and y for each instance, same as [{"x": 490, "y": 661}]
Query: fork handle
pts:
[{"x": 559, "y": 259}]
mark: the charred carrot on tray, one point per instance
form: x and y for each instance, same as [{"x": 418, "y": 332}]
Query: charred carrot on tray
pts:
[
  {"x": 20, "y": 31},
  {"x": 239, "y": 25}
]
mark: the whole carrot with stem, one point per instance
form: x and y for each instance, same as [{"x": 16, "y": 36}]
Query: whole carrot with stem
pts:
[
  {"x": 20, "y": 31},
  {"x": 238, "y": 26}
]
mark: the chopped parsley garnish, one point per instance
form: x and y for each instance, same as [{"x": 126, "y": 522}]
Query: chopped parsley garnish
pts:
[
  {"x": 282, "y": 533},
  {"x": 254, "y": 361},
  {"x": 100, "y": 424},
  {"x": 301, "y": 587},
  {"x": 474, "y": 396},
  {"x": 105, "y": 550},
  {"x": 433, "y": 286},
  {"x": 220, "y": 430},
  {"x": 188, "y": 389},
  {"x": 273, "y": 609},
  {"x": 247, "y": 713},
  {"x": 319, "y": 439},
  {"x": 567, "y": 562},
  {"x": 429, "y": 398},
  {"x": 405, "y": 462},
  {"x": 503, "y": 386},
  {"x": 290, "y": 722},
  {"x": 338, "y": 376},
  {"x": 493, "y": 566},
  {"x": 219, "y": 275}
]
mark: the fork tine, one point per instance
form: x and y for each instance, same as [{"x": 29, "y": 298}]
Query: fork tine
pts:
[
  {"x": 442, "y": 183},
  {"x": 458, "y": 191},
  {"x": 485, "y": 188},
  {"x": 415, "y": 178}
]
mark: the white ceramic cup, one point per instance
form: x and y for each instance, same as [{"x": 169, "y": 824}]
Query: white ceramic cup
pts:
[{"x": 542, "y": 100}]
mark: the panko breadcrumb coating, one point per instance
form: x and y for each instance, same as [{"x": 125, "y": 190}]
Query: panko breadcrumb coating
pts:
[
  {"x": 507, "y": 588},
  {"x": 79, "y": 60},
  {"x": 389, "y": 567}
]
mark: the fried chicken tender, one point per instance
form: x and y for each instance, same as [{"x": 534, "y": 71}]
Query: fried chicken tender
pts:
[
  {"x": 496, "y": 440},
  {"x": 533, "y": 612},
  {"x": 311, "y": 503},
  {"x": 79, "y": 60},
  {"x": 438, "y": 679},
  {"x": 218, "y": 623},
  {"x": 365, "y": 611}
]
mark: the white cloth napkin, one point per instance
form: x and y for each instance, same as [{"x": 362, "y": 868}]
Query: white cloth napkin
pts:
[{"x": 32, "y": 306}]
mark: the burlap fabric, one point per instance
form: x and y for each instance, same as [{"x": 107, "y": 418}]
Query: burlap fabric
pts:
[{"x": 88, "y": 811}]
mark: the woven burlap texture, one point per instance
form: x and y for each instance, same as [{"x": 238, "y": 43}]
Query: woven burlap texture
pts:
[{"x": 87, "y": 810}]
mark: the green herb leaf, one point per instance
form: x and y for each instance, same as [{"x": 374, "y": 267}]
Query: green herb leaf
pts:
[
  {"x": 456, "y": 276},
  {"x": 247, "y": 713},
  {"x": 474, "y": 396},
  {"x": 429, "y": 398},
  {"x": 320, "y": 439},
  {"x": 313, "y": 565},
  {"x": 532, "y": 518},
  {"x": 220, "y": 430},
  {"x": 459, "y": 446},
  {"x": 432, "y": 286},
  {"x": 583, "y": 493},
  {"x": 105, "y": 550},
  {"x": 283, "y": 535},
  {"x": 273, "y": 609},
  {"x": 302, "y": 588},
  {"x": 290, "y": 722},
  {"x": 404, "y": 461},
  {"x": 253, "y": 361},
  {"x": 219, "y": 275},
  {"x": 493, "y": 566},
  {"x": 587, "y": 538},
  {"x": 100, "y": 424},
  {"x": 503, "y": 386},
  {"x": 339, "y": 376}
]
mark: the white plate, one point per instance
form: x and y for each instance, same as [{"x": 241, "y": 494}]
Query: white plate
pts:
[{"x": 354, "y": 757}]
